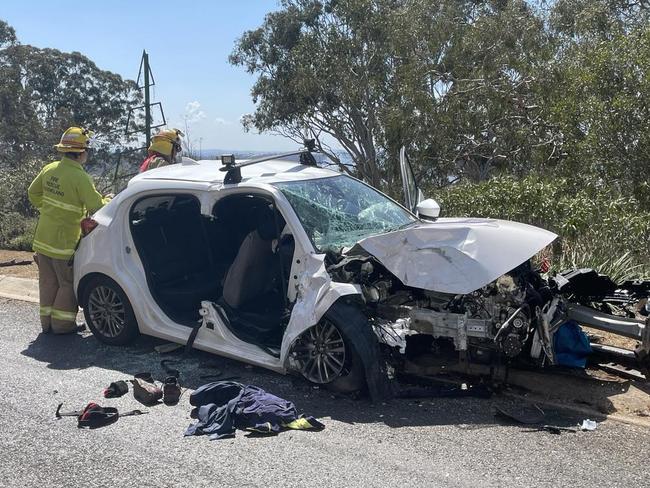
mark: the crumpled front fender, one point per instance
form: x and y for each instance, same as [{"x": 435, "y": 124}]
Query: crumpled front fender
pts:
[{"x": 315, "y": 294}]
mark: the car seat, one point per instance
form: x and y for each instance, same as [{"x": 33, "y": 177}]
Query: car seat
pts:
[{"x": 254, "y": 268}]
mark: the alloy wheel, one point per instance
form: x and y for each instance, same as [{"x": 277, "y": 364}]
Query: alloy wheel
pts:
[
  {"x": 106, "y": 311},
  {"x": 320, "y": 352}
]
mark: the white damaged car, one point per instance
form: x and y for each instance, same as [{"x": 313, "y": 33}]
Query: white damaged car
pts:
[{"x": 300, "y": 269}]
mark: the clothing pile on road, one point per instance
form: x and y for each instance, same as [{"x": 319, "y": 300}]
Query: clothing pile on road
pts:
[{"x": 222, "y": 407}]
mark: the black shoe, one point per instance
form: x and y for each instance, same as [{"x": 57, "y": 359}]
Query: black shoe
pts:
[
  {"x": 171, "y": 391},
  {"x": 116, "y": 389}
]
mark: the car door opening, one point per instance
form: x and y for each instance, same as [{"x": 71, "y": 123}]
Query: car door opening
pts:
[
  {"x": 259, "y": 252},
  {"x": 239, "y": 257},
  {"x": 173, "y": 241}
]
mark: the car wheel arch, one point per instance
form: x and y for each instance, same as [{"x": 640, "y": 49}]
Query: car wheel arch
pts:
[
  {"x": 83, "y": 284},
  {"x": 121, "y": 323},
  {"x": 347, "y": 315}
]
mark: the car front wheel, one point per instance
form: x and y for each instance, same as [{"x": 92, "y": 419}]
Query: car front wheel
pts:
[
  {"x": 108, "y": 312},
  {"x": 325, "y": 356}
]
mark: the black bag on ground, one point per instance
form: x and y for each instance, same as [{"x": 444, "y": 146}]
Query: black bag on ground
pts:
[{"x": 94, "y": 416}]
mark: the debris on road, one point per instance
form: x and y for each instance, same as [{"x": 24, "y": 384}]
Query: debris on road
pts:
[
  {"x": 448, "y": 391},
  {"x": 167, "y": 347},
  {"x": 525, "y": 415},
  {"x": 532, "y": 416},
  {"x": 14, "y": 262},
  {"x": 589, "y": 424},
  {"x": 171, "y": 391},
  {"x": 556, "y": 429}
]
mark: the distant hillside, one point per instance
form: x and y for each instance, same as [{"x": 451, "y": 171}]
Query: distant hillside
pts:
[
  {"x": 101, "y": 168},
  {"x": 244, "y": 154}
]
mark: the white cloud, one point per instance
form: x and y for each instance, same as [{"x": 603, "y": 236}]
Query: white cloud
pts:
[
  {"x": 193, "y": 112},
  {"x": 222, "y": 121}
]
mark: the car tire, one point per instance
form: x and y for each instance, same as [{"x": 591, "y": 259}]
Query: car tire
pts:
[
  {"x": 338, "y": 322},
  {"x": 108, "y": 312}
]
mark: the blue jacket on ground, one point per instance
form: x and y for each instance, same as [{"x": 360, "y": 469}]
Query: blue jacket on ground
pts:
[{"x": 224, "y": 406}]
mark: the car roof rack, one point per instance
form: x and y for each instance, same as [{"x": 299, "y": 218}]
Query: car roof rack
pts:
[{"x": 233, "y": 169}]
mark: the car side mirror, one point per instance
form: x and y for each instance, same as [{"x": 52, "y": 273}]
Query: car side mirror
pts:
[{"x": 428, "y": 209}]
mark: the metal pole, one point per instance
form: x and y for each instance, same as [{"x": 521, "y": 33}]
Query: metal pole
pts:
[
  {"x": 147, "y": 107},
  {"x": 117, "y": 169}
]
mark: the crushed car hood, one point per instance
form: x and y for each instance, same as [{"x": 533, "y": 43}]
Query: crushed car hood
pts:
[{"x": 455, "y": 255}]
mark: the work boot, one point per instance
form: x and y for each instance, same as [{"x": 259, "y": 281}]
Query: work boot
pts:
[
  {"x": 146, "y": 392},
  {"x": 171, "y": 391}
]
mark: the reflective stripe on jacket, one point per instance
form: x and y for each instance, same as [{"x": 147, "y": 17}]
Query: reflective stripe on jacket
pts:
[{"x": 62, "y": 192}]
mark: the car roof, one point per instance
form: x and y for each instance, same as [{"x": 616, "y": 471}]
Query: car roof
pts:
[{"x": 209, "y": 172}]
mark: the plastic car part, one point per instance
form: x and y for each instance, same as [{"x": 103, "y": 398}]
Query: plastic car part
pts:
[
  {"x": 631, "y": 328},
  {"x": 625, "y": 327}
]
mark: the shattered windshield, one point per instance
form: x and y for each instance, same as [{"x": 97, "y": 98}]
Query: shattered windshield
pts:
[{"x": 339, "y": 211}]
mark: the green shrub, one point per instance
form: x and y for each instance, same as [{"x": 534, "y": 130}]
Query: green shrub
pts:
[
  {"x": 17, "y": 216},
  {"x": 14, "y": 183},
  {"x": 17, "y": 231},
  {"x": 598, "y": 227}
]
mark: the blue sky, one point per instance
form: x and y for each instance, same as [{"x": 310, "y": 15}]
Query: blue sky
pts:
[{"x": 188, "y": 45}]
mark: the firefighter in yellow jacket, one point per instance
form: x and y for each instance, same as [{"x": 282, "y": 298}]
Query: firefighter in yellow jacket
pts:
[
  {"x": 63, "y": 193},
  {"x": 163, "y": 150}
]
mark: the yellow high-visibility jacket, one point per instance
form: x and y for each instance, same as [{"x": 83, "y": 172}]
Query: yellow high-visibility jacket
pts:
[{"x": 62, "y": 192}]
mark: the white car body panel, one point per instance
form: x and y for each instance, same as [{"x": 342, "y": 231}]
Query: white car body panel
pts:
[
  {"x": 316, "y": 293},
  {"x": 312, "y": 289},
  {"x": 451, "y": 255},
  {"x": 456, "y": 255}
]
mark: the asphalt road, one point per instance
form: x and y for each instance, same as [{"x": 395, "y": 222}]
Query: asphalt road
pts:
[{"x": 440, "y": 442}]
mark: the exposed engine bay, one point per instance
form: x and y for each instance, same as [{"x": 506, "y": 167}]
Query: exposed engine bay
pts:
[{"x": 513, "y": 317}]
